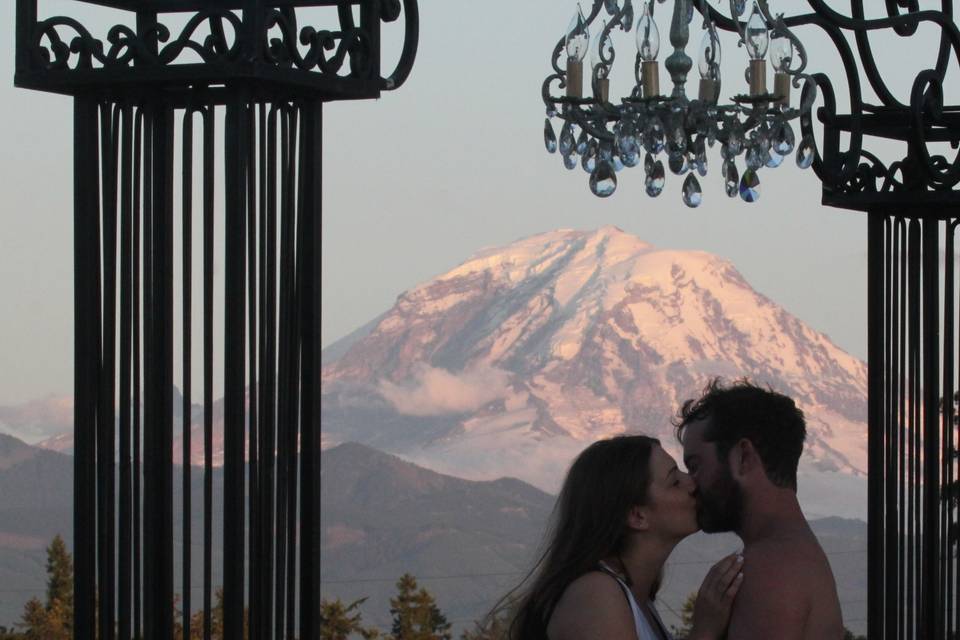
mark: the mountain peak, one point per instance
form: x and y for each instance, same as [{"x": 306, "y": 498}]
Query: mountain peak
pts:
[{"x": 557, "y": 339}]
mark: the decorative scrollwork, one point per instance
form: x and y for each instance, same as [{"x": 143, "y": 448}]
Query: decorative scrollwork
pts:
[{"x": 854, "y": 170}]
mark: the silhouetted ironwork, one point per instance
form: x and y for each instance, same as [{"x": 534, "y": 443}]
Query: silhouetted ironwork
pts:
[
  {"x": 913, "y": 212},
  {"x": 141, "y": 93}
]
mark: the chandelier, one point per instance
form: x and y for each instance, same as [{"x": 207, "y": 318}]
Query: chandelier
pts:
[{"x": 648, "y": 127}]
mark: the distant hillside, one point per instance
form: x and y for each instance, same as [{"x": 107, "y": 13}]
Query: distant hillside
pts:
[{"x": 469, "y": 542}]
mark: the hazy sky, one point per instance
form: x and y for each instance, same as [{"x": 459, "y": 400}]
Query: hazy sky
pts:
[{"x": 452, "y": 162}]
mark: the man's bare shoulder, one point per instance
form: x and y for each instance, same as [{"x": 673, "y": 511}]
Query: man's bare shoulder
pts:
[
  {"x": 788, "y": 591},
  {"x": 592, "y": 606}
]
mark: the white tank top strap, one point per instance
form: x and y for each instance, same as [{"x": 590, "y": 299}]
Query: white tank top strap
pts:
[{"x": 640, "y": 622}]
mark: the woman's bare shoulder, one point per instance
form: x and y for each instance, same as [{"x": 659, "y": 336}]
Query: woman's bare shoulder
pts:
[{"x": 592, "y": 607}]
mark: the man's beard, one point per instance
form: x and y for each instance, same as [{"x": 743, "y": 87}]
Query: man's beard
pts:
[{"x": 720, "y": 506}]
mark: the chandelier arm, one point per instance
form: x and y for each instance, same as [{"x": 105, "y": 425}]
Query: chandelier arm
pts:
[{"x": 408, "y": 54}]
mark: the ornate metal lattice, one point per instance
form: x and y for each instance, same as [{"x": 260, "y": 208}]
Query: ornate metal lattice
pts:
[{"x": 148, "y": 98}]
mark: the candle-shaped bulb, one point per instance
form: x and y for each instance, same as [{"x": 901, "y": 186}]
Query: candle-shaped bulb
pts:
[
  {"x": 577, "y": 38},
  {"x": 709, "y": 60},
  {"x": 648, "y": 36},
  {"x": 781, "y": 53},
  {"x": 757, "y": 38}
]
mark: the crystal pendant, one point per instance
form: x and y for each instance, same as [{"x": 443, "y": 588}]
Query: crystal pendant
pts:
[
  {"x": 653, "y": 136},
  {"x": 692, "y": 195},
  {"x": 750, "y": 186},
  {"x": 603, "y": 181},
  {"x": 618, "y": 163},
  {"x": 774, "y": 159},
  {"x": 755, "y": 158},
  {"x": 589, "y": 159},
  {"x": 549, "y": 137},
  {"x": 731, "y": 178},
  {"x": 566, "y": 138},
  {"x": 570, "y": 161},
  {"x": 648, "y": 163},
  {"x": 700, "y": 159},
  {"x": 678, "y": 141},
  {"x": 806, "y": 153},
  {"x": 734, "y": 140},
  {"x": 582, "y": 141},
  {"x": 612, "y": 6},
  {"x": 630, "y": 159},
  {"x": 678, "y": 163},
  {"x": 656, "y": 180},
  {"x": 783, "y": 139}
]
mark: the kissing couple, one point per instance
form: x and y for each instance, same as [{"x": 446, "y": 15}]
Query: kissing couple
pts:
[{"x": 625, "y": 504}]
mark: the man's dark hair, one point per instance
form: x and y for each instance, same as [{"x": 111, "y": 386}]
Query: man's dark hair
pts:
[{"x": 769, "y": 420}]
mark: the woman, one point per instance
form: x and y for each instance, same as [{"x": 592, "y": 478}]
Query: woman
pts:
[{"x": 624, "y": 506}]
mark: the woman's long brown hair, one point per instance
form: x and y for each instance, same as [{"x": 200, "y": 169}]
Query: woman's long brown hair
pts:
[{"x": 588, "y": 524}]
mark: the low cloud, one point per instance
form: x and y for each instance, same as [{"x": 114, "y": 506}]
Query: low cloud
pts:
[{"x": 434, "y": 392}]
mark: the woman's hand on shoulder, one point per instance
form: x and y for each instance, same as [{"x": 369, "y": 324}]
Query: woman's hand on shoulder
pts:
[
  {"x": 711, "y": 612},
  {"x": 592, "y": 607}
]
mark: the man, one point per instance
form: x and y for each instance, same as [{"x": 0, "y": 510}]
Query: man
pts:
[{"x": 741, "y": 445}]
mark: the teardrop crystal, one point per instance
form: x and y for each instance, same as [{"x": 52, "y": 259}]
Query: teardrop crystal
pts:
[
  {"x": 656, "y": 180},
  {"x": 549, "y": 137},
  {"x": 589, "y": 159},
  {"x": 653, "y": 136},
  {"x": 678, "y": 163},
  {"x": 648, "y": 163},
  {"x": 570, "y": 161},
  {"x": 582, "y": 141},
  {"x": 731, "y": 178},
  {"x": 750, "y": 186},
  {"x": 630, "y": 159},
  {"x": 774, "y": 159},
  {"x": 678, "y": 141},
  {"x": 805, "y": 153},
  {"x": 700, "y": 159},
  {"x": 692, "y": 195},
  {"x": 783, "y": 139},
  {"x": 567, "y": 141},
  {"x": 603, "y": 181},
  {"x": 755, "y": 158}
]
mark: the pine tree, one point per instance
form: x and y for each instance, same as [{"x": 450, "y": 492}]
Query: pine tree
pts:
[
  {"x": 415, "y": 614},
  {"x": 54, "y": 619},
  {"x": 339, "y": 621}
]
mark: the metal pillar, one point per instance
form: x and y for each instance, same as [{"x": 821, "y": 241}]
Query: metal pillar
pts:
[{"x": 263, "y": 77}]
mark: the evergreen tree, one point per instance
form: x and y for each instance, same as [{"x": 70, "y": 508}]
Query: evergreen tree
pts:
[
  {"x": 52, "y": 620},
  {"x": 339, "y": 621},
  {"x": 415, "y": 614}
]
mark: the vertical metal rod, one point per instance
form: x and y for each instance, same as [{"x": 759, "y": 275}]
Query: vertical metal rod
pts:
[
  {"x": 209, "y": 129},
  {"x": 147, "y": 499},
  {"x": 258, "y": 593},
  {"x": 903, "y": 418},
  {"x": 86, "y": 327},
  {"x": 187, "y": 423},
  {"x": 914, "y": 424},
  {"x": 159, "y": 478},
  {"x": 875, "y": 381},
  {"x": 310, "y": 277},
  {"x": 125, "y": 515},
  {"x": 253, "y": 414},
  {"x": 297, "y": 134},
  {"x": 269, "y": 400},
  {"x": 948, "y": 417},
  {"x": 234, "y": 378},
  {"x": 138, "y": 150},
  {"x": 930, "y": 592},
  {"x": 106, "y": 457}
]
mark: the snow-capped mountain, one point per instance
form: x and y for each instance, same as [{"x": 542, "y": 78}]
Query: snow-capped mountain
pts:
[{"x": 512, "y": 362}]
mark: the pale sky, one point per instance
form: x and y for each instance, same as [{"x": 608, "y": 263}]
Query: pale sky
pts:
[{"x": 452, "y": 162}]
